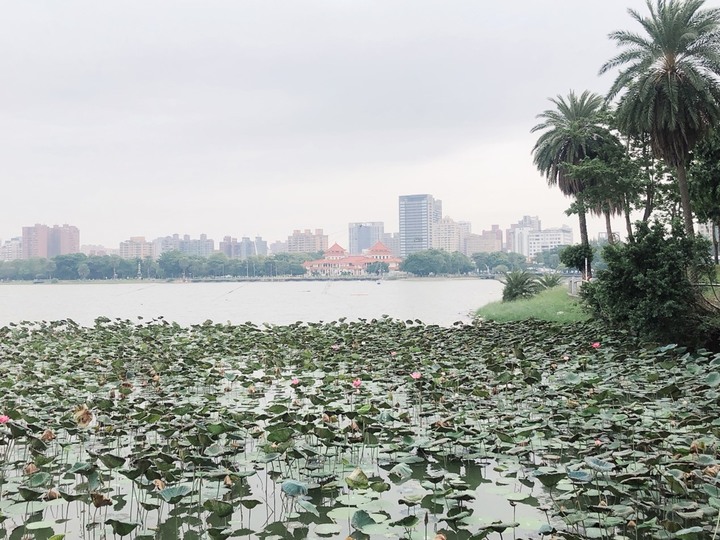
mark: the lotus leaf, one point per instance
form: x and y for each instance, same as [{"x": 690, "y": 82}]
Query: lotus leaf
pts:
[
  {"x": 361, "y": 519},
  {"x": 173, "y": 494},
  {"x": 293, "y": 488},
  {"x": 122, "y": 528}
]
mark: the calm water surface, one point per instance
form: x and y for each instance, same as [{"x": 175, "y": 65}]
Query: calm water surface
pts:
[{"x": 433, "y": 301}]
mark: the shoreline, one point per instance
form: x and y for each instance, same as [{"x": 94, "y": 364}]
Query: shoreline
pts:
[{"x": 243, "y": 280}]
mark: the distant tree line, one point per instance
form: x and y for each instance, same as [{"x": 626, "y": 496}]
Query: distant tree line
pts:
[
  {"x": 177, "y": 265},
  {"x": 437, "y": 262},
  {"x": 170, "y": 265}
]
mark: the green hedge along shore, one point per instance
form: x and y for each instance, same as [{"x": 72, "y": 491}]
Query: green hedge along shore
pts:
[{"x": 371, "y": 428}]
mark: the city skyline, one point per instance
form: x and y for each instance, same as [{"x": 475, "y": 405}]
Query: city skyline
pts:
[
  {"x": 422, "y": 228},
  {"x": 225, "y": 238},
  {"x": 253, "y": 118}
]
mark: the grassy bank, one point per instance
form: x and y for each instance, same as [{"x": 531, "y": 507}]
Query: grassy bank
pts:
[{"x": 550, "y": 305}]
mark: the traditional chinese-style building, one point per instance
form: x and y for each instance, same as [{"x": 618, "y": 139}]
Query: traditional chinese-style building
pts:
[{"x": 337, "y": 262}]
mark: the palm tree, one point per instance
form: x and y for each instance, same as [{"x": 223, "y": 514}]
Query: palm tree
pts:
[
  {"x": 519, "y": 284},
  {"x": 669, "y": 82},
  {"x": 572, "y": 133},
  {"x": 607, "y": 180}
]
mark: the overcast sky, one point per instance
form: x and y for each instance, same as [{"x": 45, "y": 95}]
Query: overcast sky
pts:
[{"x": 244, "y": 118}]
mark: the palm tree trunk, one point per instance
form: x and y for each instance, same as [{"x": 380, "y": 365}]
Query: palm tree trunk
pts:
[
  {"x": 685, "y": 199},
  {"x": 584, "y": 240},
  {"x": 608, "y": 227},
  {"x": 715, "y": 224},
  {"x": 628, "y": 224}
]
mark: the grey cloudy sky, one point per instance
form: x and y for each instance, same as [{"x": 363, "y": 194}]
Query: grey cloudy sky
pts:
[{"x": 243, "y": 118}]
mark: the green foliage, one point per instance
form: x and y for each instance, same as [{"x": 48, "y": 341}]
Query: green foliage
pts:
[
  {"x": 490, "y": 262},
  {"x": 171, "y": 264},
  {"x": 705, "y": 185},
  {"x": 549, "y": 281},
  {"x": 519, "y": 284},
  {"x": 549, "y": 258},
  {"x": 647, "y": 287},
  {"x": 577, "y": 256},
  {"x": 668, "y": 82},
  {"x": 435, "y": 261},
  {"x": 572, "y": 132},
  {"x": 378, "y": 268}
]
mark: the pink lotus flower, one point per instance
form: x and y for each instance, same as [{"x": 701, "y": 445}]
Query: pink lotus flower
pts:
[
  {"x": 335, "y": 347},
  {"x": 416, "y": 375},
  {"x": 598, "y": 442},
  {"x": 356, "y": 383},
  {"x": 4, "y": 419},
  {"x": 393, "y": 353},
  {"x": 295, "y": 381},
  {"x": 596, "y": 345}
]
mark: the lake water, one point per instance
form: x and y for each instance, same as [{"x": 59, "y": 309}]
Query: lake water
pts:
[{"x": 433, "y": 301}]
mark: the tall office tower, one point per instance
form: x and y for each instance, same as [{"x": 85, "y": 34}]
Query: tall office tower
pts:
[
  {"x": 418, "y": 214},
  {"x": 364, "y": 235}
]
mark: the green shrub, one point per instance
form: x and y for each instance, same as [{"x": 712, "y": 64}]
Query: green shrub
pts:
[
  {"x": 549, "y": 281},
  {"x": 519, "y": 284},
  {"x": 576, "y": 257},
  {"x": 650, "y": 287}
]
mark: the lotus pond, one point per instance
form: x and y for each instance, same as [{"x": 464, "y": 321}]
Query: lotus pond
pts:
[{"x": 364, "y": 429}]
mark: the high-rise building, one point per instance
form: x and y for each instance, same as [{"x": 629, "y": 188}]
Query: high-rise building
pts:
[
  {"x": 485, "y": 242},
  {"x": 63, "y": 240},
  {"x": 136, "y": 248},
  {"x": 392, "y": 242},
  {"x": 11, "y": 250},
  {"x": 244, "y": 248},
  {"x": 45, "y": 242},
  {"x": 517, "y": 237},
  {"x": 547, "y": 239},
  {"x": 307, "y": 241},
  {"x": 35, "y": 241},
  {"x": 364, "y": 235},
  {"x": 278, "y": 247},
  {"x": 200, "y": 247},
  {"x": 418, "y": 214},
  {"x": 449, "y": 235}
]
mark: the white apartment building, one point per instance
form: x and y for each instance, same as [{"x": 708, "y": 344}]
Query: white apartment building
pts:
[
  {"x": 11, "y": 250},
  {"x": 539, "y": 241}
]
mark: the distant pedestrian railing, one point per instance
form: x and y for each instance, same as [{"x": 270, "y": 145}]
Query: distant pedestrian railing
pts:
[{"x": 574, "y": 284}]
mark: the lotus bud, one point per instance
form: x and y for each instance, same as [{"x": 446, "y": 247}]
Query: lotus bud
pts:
[{"x": 30, "y": 468}]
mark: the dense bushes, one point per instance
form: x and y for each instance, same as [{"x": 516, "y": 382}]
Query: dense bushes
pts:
[
  {"x": 653, "y": 287},
  {"x": 520, "y": 284}
]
